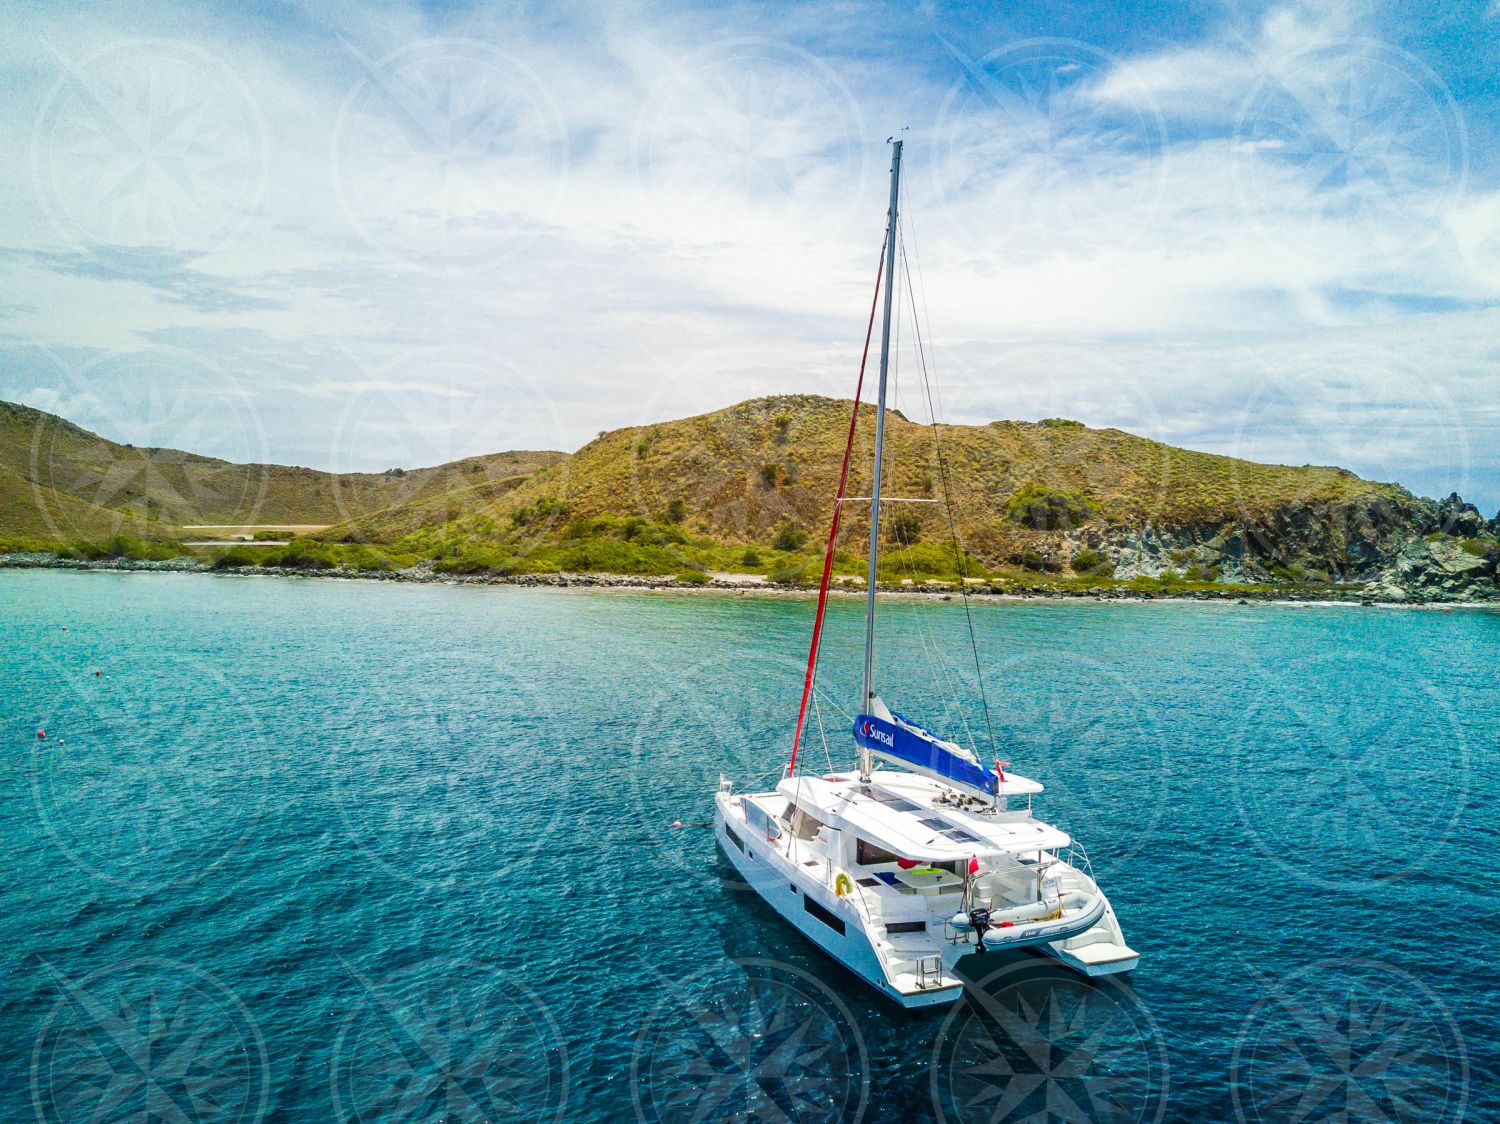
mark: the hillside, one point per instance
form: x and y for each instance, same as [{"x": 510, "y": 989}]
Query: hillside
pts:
[
  {"x": 1047, "y": 504},
  {"x": 1047, "y": 497},
  {"x": 59, "y": 482}
]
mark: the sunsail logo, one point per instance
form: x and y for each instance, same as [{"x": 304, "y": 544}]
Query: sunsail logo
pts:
[{"x": 878, "y": 735}]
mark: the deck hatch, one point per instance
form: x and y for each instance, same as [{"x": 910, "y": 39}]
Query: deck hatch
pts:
[
  {"x": 892, "y": 801},
  {"x": 899, "y": 927}
]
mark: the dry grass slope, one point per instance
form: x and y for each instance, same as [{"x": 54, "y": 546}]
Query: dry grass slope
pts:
[
  {"x": 59, "y": 482},
  {"x": 734, "y": 476}
]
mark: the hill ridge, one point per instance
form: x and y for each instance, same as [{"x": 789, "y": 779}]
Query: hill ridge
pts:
[{"x": 748, "y": 486}]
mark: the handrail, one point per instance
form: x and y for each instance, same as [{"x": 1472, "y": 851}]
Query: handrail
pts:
[
  {"x": 1075, "y": 847},
  {"x": 858, "y": 893}
]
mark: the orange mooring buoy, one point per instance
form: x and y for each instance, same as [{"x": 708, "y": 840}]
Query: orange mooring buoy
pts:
[{"x": 41, "y": 733}]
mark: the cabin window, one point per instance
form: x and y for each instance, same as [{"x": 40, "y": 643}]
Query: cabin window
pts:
[
  {"x": 906, "y": 927},
  {"x": 733, "y": 838},
  {"x": 822, "y": 914},
  {"x": 758, "y": 818},
  {"x": 804, "y": 825},
  {"x": 867, "y": 854}
]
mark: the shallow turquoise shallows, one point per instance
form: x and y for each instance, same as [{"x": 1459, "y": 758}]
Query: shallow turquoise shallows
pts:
[{"x": 312, "y": 850}]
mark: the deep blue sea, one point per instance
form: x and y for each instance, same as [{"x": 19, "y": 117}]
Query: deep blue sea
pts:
[{"x": 310, "y": 850}]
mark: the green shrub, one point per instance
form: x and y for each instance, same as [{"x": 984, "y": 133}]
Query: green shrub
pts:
[
  {"x": 473, "y": 558},
  {"x": 302, "y": 554},
  {"x": 607, "y": 556},
  {"x": 128, "y": 547},
  {"x": 769, "y": 475},
  {"x": 541, "y": 511},
  {"x": 26, "y": 546},
  {"x": 1046, "y": 509},
  {"x": 928, "y": 560},
  {"x": 1091, "y": 562},
  {"x": 235, "y": 557},
  {"x": 904, "y": 528},
  {"x": 693, "y": 577},
  {"x": 789, "y": 536},
  {"x": 1032, "y": 560},
  {"x": 796, "y": 572},
  {"x": 1474, "y": 547},
  {"x": 750, "y": 558},
  {"x": 676, "y": 511}
]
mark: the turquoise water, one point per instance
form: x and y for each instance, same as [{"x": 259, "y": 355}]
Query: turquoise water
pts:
[{"x": 311, "y": 850}]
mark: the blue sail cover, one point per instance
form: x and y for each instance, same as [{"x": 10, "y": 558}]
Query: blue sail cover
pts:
[{"x": 910, "y": 743}]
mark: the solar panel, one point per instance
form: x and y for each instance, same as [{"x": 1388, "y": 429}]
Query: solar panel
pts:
[
  {"x": 959, "y": 835},
  {"x": 896, "y": 803}
]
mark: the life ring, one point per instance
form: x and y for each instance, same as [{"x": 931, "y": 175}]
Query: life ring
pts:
[{"x": 843, "y": 884}]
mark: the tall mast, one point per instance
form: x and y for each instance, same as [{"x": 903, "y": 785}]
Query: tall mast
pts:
[{"x": 885, "y": 362}]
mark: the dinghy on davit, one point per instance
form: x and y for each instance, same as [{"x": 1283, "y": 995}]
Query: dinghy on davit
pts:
[{"x": 923, "y": 854}]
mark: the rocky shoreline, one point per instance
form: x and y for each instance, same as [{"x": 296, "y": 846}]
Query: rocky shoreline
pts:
[{"x": 1373, "y": 593}]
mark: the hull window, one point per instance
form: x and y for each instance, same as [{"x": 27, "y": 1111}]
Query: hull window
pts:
[
  {"x": 822, "y": 915},
  {"x": 733, "y": 838}
]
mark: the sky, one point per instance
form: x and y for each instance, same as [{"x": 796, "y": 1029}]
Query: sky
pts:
[{"x": 357, "y": 235}]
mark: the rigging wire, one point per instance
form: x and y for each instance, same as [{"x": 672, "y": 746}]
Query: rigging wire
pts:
[
  {"x": 833, "y": 530},
  {"x": 943, "y": 477}
]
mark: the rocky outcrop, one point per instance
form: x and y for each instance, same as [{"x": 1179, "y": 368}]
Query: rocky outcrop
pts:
[{"x": 1404, "y": 550}]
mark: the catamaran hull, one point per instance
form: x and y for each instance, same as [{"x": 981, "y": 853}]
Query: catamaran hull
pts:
[
  {"x": 836, "y": 924},
  {"x": 786, "y": 891}
]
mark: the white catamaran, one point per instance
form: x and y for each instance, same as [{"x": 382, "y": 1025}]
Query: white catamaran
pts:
[{"x": 899, "y": 873}]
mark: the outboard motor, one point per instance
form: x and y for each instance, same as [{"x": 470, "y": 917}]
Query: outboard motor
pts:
[{"x": 980, "y": 920}]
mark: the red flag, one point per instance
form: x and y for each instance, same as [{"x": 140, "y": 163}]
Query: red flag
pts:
[{"x": 973, "y": 864}]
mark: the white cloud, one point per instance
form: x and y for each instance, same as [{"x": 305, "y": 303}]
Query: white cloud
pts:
[{"x": 672, "y": 213}]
